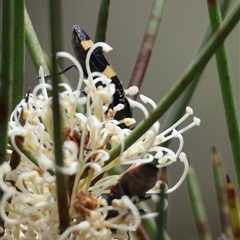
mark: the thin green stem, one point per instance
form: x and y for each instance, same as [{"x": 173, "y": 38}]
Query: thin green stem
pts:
[
  {"x": 187, "y": 77},
  {"x": 234, "y": 208},
  {"x": 221, "y": 189},
  {"x": 60, "y": 177},
  {"x": 160, "y": 221},
  {"x": 226, "y": 80},
  {"x": 197, "y": 206},
  {"x": 19, "y": 53},
  {"x": 147, "y": 43},
  {"x": 101, "y": 29},
  {"x": 6, "y": 73},
  {"x": 163, "y": 177},
  {"x": 148, "y": 223},
  {"x": 179, "y": 106},
  {"x": 6, "y": 77},
  {"x": 60, "y": 36},
  {"x": 33, "y": 45}
]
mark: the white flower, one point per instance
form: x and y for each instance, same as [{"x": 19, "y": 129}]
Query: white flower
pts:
[{"x": 29, "y": 203}]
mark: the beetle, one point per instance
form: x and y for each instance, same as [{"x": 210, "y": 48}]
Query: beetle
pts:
[
  {"x": 134, "y": 183},
  {"x": 138, "y": 180},
  {"x": 81, "y": 43}
]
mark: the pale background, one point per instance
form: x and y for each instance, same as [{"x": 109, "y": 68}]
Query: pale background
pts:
[{"x": 179, "y": 35}]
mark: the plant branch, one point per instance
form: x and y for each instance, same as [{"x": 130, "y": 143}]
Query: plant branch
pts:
[
  {"x": 6, "y": 73},
  {"x": 33, "y": 45},
  {"x": 147, "y": 44},
  {"x": 101, "y": 29},
  {"x": 187, "y": 77},
  {"x": 54, "y": 6},
  {"x": 221, "y": 189},
  {"x": 199, "y": 212},
  {"x": 19, "y": 53},
  {"x": 226, "y": 80},
  {"x": 179, "y": 106}
]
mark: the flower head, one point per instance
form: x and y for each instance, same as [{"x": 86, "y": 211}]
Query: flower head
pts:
[{"x": 29, "y": 203}]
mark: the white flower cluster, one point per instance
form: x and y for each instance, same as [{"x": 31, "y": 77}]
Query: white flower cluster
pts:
[{"x": 29, "y": 205}]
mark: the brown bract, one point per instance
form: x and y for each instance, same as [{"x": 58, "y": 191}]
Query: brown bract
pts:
[{"x": 85, "y": 203}]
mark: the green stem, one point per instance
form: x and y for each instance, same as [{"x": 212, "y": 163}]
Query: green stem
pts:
[
  {"x": 33, "y": 45},
  {"x": 60, "y": 177},
  {"x": 221, "y": 189},
  {"x": 19, "y": 53},
  {"x": 147, "y": 44},
  {"x": 101, "y": 29},
  {"x": 6, "y": 76},
  {"x": 148, "y": 223},
  {"x": 179, "y": 106},
  {"x": 60, "y": 38},
  {"x": 6, "y": 73},
  {"x": 234, "y": 209},
  {"x": 226, "y": 80},
  {"x": 197, "y": 206},
  {"x": 160, "y": 221},
  {"x": 187, "y": 77}
]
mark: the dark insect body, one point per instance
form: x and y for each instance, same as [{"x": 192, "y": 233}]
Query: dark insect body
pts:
[
  {"x": 134, "y": 184},
  {"x": 81, "y": 44}
]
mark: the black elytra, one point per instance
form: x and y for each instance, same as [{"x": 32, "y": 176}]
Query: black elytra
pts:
[{"x": 81, "y": 43}]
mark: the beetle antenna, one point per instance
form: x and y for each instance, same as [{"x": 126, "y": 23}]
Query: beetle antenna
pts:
[{"x": 60, "y": 73}]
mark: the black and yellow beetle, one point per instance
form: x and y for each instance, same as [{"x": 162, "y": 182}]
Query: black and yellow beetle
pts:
[
  {"x": 137, "y": 181},
  {"x": 81, "y": 44}
]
